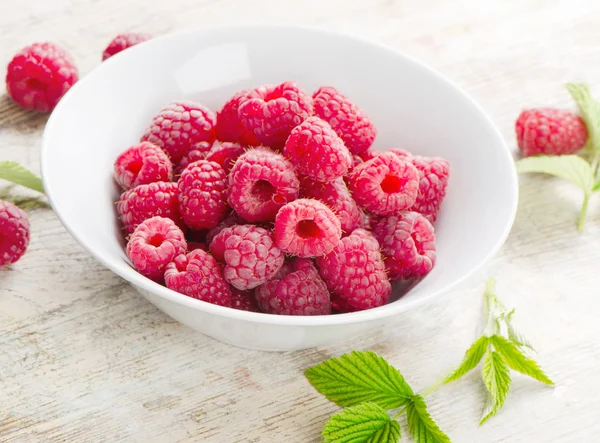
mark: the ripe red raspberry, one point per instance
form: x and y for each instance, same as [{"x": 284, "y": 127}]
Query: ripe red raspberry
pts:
[
  {"x": 550, "y": 132},
  {"x": 272, "y": 112},
  {"x": 299, "y": 292},
  {"x": 230, "y": 220},
  {"x": 346, "y": 119},
  {"x": 243, "y": 300},
  {"x": 229, "y": 125},
  {"x": 199, "y": 152},
  {"x": 407, "y": 243},
  {"x": 179, "y": 126},
  {"x": 124, "y": 41},
  {"x": 336, "y": 196},
  {"x": 142, "y": 164},
  {"x": 39, "y": 75},
  {"x": 261, "y": 182},
  {"x": 316, "y": 151},
  {"x": 307, "y": 228},
  {"x": 146, "y": 201},
  {"x": 249, "y": 253},
  {"x": 203, "y": 195},
  {"x": 153, "y": 245},
  {"x": 225, "y": 154},
  {"x": 199, "y": 276},
  {"x": 384, "y": 185},
  {"x": 355, "y": 273},
  {"x": 14, "y": 233}
]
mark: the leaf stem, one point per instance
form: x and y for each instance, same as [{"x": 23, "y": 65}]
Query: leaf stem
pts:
[{"x": 583, "y": 213}]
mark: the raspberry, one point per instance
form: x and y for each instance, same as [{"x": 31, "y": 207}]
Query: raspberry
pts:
[
  {"x": 225, "y": 154},
  {"x": 232, "y": 219},
  {"x": 250, "y": 255},
  {"x": 307, "y": 228},
  {"x": 39, "y": 75},
  {"x": 145, "y": 201},
  {"x": 203, "y": 194},
  {"x": 385, "y": 184},
  {"x": 179, "y": 126},
  {"x": 243, "y": 300},
  {"x": 355, "y": 273},
  {"x": 272, "y": 112},
  {"x": 124, "y": 41},
  {"x": 550, "y": 132},
  {"x": 299, "y": 292},
  {"x": 153, "y": 245},
  {"x": 14, "y": 233},
  {"x": 336, "y": 196},
  {"x": 261, "y": 182},
  {"x": 229, "y": 125},
  {"x": 346, "y": 119},
  {"x": 142, "y": 164},
  {"x": 199, "y": 276},
  {"x": 198, "y": 152},
  {"x": 408, "y": 244},
  {"x": 316, "y": 151}
]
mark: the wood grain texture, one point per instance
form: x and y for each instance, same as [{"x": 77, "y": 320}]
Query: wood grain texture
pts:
[{"x": 84, "y": 358}]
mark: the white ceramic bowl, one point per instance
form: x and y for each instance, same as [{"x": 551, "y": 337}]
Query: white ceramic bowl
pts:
[{"x": 412, "y": 106}]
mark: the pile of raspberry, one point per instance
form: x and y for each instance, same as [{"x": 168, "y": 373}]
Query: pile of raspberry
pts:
[{"x": 277, "y": 204}]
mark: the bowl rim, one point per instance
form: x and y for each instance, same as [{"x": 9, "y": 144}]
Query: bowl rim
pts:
[{"x": 141, "y": 282}]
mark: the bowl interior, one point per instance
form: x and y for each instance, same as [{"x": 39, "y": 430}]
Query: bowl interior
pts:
[{"x": 412, "y": 107}]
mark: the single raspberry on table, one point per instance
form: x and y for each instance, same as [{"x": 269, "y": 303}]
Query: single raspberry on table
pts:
[
  {"x": 550, "y": 131},
  {"x": 300, "y": 291},
  {"x": 385, "y": 184},
  {"x": 14, "y": 233},
  {"x": 225, "y": 154},
  {"x": 39, "y": 75},
  {"x": 250, "y": 255},
  {"x": 407, "y": 243},
  {"x": 179, "y": 126},
  {"x": 316, "y": 151},
  {"x": 243, "y": 300},
  {"x": 260, "y": 182},
  {"x": 153, "y": 245},
  {"x": 203, "y": 195},
  {"x": 336, "y": 196},
  {"x": 199, "y": 152},
  {"x": 355, "y": 273},
  {"x": 307, "y": 228},
  {"x": 142, "y": 164},
  {"x": 146, "y": 201},
  {"x": 124, "y": 41},
  {"x": 346, "y": 119},
  {"x": 271, "y": 112},
  {"x": 229, "y": 125},
  {"x": 198, "y": 275}
]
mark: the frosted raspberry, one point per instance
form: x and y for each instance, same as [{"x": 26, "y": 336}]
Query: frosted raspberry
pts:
[
  {"x": 153, "y": 245},
  {"x": 225, "y": 154},
  {"x": 179, "y": 126},
  {"x": 229, "y": 125},
  {"x": 316, "y": 151},
  {"x": 407, "y": 243},
  {"x": 346, "y": 119},
  {"x": 39, "y": 75},
  {"x": 336, "y": 196},
  {"x": 14, "y": 233},
  {"x": 307, "y": 228},
  {"x": 124, "y": 41},
  {"x": 243, "y": 300},
  {"x": 199, "y": 276},
  {"x": 550, "y": 132},
  {"x": 249, "y": 253},
  {"x": 142, "y": 164},
  {"x": 385, "y": 184},
  {"x": 299, "y": 292},
  {"x": 199, "y": 152},
  {"x": 272, "y": 112},
  {"x": 261, "y": 182},
  {"x": 230, "y": 220},
  {"x": 355, "y": 273},
  {"x": 146, "y": 201}
]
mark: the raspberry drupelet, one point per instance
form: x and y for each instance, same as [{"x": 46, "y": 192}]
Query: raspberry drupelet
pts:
[
  {"x": 14, "y": 233},
  {"x": 142, "y": 164}
]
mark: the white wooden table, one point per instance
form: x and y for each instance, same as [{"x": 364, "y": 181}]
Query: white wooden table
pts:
[{"x": 84, "y": 358}]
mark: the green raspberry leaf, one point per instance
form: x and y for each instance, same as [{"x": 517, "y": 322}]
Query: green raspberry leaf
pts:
[
  {"x": 496, "y": 377},
  {"x": 569, "y": 167},
  {"x": 514, "y": 334},
  {"x": 15, "y": 173},
  {"x": 360, "y": 377},
  {"x": 365, "y": 423},
  {"x": 472, "y": 358},
  {"x": 421, "y": 427},
  {"x": 589, "y": 110},
  {"x": 518, "y": 361}
]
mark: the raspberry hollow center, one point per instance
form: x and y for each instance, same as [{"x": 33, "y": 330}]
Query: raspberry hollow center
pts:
[
  {"x": 135, "y": 166},
  {"x": 263, "y": 190},
  {"x": 308, "y": 229},
  {"x": 392, "y": 184},
  {"x": 156, "y": 240}
]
